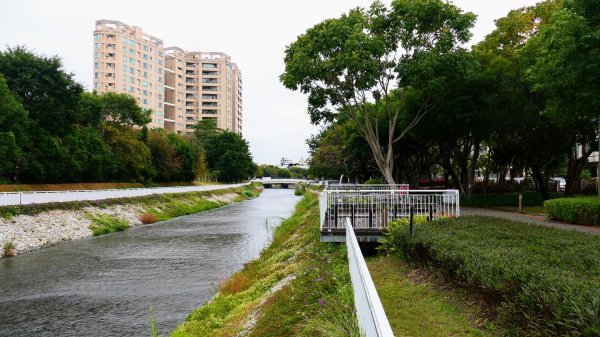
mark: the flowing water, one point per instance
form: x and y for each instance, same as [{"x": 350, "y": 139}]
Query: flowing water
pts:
[{"x": 104, "y": 286}]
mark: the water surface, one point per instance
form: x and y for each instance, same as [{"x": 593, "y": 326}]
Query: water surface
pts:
[{"x": 104, "y": 286}]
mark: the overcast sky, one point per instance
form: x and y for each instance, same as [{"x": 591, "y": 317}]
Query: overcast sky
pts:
[{"x": 254, "y": 33}]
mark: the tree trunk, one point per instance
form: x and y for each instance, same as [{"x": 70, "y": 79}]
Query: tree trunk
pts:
[
  {"x": 575, "y": 167},
  {"x": 540, "y": 182},
  {"x": 472, "y": 167}
]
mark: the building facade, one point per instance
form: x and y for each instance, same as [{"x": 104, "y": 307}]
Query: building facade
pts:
[{"x": 180, "y": 87}]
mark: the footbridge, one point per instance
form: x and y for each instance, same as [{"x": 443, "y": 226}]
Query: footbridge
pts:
[
  {"x": 280, "y": 183},
  {"x": 370, "y": 208}
]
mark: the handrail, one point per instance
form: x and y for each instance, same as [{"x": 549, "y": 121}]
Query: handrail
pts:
[{"x": 369, "y": 310}]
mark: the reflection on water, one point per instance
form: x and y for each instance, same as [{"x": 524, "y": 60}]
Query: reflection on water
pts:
[{"x": 104, "y": 286}]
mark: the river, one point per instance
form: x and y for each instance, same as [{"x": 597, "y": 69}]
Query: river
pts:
[{"x": 104, "y": 286}]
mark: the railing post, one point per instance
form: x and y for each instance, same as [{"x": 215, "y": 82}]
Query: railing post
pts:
[
  {"x": 411, "y": 220},
  {"x": 370, "y": 215},
  {"x": 430, "y": 217},
  {"x": 335, "y": 215},
  {"x": 352, "y": 214}
]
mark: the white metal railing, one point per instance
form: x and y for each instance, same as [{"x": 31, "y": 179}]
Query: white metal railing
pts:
[
  {"x": 369, "y": 311},
  {"x": 41, "y": 197},
  {"x": 375, "y": 208},
  {"x": 374, "y": 188}
]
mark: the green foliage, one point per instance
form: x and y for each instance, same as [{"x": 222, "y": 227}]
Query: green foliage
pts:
[
  {"x": 581, "y": 211},
  {"x": 543, "y": 281},
  {"x": 300, "y": 188},
  {"x": 373, "y": 181},
  {"x": 105, "y": 224},
  {"x": 396, "y": 234},
  {"x": 502, "y": 200}
]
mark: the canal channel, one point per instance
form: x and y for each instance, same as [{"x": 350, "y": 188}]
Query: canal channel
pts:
[{"x": 104, "y": 286}]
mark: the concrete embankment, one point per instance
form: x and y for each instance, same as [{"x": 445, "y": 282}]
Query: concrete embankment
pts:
[{"x": 37, "y": 226}]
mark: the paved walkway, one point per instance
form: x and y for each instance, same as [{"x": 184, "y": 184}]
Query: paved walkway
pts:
[{"x": 541, "y": 220}]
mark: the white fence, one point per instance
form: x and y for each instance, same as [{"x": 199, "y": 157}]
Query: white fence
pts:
[
  {"x": 42, "y": 197},
  {"x": 369, "y": 311},
  {"x": 375, "y": 208}
]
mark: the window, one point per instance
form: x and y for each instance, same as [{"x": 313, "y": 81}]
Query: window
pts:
[
  {"x": 131, "y": 80},
  {"x": 145, "y": 83},
  {"x": 97, "y": 36},
  {"x": 131, "y": 89},
  {"x": 160, "y": 61},
  {"x": 145, "y": 101},
  {"x": 95, "y": 85},
  {"x": 145, "y": 92},
  {"x": 145, "y": 56},
  {"x": 124, "y": 68},
  {"x": 209, "y": 65},
  {"x": 146, "y": 47},
  {"x": 145, "y": 74},
  {"x": 124, "y": 78},
  {"x": 97, "y": 65},
  {"x": 96, "y": 75},
  {"x": 132, "y": 60},
  {"x": 131, "y": 52},
  {"x": 124, "y": 59},
  {"x": 97, "y": 45},
  {"x": 159, "y": 70},
  {"x": 145, "y": 65},
  {"x": 97, "y": 55},
  {"x": 131, "y": 70}
]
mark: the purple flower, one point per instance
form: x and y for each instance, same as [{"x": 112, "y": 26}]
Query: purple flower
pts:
[{"x": 321, "y": 302}]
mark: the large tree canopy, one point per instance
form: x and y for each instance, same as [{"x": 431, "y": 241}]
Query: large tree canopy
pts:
[{"x": 345, "y": 65}]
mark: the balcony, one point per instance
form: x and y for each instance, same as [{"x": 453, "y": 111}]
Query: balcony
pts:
[
  {"x": 210, "y": 80},
  {"x": 210, "y": 96},
  {"x": 210, "y": 88},
  {"x": 209, "y": 66},
  {"x": 190, "y": 88},
  {"x": 189, "y": 96},
  {"x": 210, "y": 104},
  {"x": 190, "y": 72},
  {"x": 210, "y": 73},
  {"x": 210, "y": 111}
]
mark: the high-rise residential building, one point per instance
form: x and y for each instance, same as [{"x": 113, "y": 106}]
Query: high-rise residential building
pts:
[{"x": 180, "y": 87}]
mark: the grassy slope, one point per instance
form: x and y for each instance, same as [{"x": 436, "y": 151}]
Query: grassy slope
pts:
[
  {"x": 165, "y": 206},
  {"x": 317, "y": 302},
  {"x": 419, "y": 308}
]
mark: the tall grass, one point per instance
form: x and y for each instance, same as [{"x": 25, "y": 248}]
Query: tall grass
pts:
[{"x": 106, "y": 224}]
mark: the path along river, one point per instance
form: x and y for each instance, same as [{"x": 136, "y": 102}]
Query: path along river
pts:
[{"x": 104, "y": 286}]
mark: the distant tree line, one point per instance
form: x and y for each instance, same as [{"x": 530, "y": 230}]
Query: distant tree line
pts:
[
  {"x": 52, "y": 131},
  {"x": 281, "y": 172},
  {"x": 422, "y": 106}
]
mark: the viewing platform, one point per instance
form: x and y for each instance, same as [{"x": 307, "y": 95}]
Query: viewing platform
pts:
[{"x": 371, "y": 208}]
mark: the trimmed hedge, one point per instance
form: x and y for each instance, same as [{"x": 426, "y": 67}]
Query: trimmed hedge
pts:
[
  {"x": 505, "y": 200},
  {"x": 542, "y": 281},
  {"x": 581, "y": 211}
]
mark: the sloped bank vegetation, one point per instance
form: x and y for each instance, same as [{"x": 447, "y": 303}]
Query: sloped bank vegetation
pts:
[
  {"x": 297, "y": 287},
  {"x": 30, "y": 227},
  {"x": 541, "y": 281}
]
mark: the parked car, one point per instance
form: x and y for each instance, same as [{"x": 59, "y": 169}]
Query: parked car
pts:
[{"x": 561, "y": 183}]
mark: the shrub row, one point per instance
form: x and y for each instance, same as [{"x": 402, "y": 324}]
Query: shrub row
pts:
[
  {"x": 542, "y": 281},
  {"x": 505, "y": 199},
  {"x": 582, "y": 211}
]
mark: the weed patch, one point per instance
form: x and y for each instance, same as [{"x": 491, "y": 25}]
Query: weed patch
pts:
[
  {"x": 106, "y": 223},
  {"x": 8, "y": 250}
]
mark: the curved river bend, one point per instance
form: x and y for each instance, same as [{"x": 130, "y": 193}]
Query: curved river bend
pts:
[{"x": 104, "y": 286}]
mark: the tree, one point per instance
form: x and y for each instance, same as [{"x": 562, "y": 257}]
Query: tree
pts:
[
  {"x": 350, "y": 62},
  {"x": 113, "y": 108},
  {"x": 565, "y": 63},
  {"x": 50, "y": 96},
  {"x": 229, "y": 155},
  {"x": 13, "y": 123}
]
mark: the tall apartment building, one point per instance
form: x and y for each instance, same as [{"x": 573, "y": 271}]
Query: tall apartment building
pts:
[{"x": 180, "y": 87}]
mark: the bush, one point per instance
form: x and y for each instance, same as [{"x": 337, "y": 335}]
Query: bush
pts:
[
  {"x": 300, "y": 188},
  {"x": 374, "y": 181},
  {"x": 505, "y": 200},
  {"x": 8, "y": 249},
  {"x": 106, "y": 223},
  {"x": 581, "y": 211},
  {"x": 148, "y": 218},
  {"x": 542, "y": 281}
]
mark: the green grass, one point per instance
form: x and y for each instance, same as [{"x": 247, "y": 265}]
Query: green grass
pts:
[
  {"x": 106, "y": 224},
  {"x": 319, "y": 296},
  {"x": 526, "y": 209},
  {"x": 419, "y": 308},
  {"x": 542, "y": 281}
]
